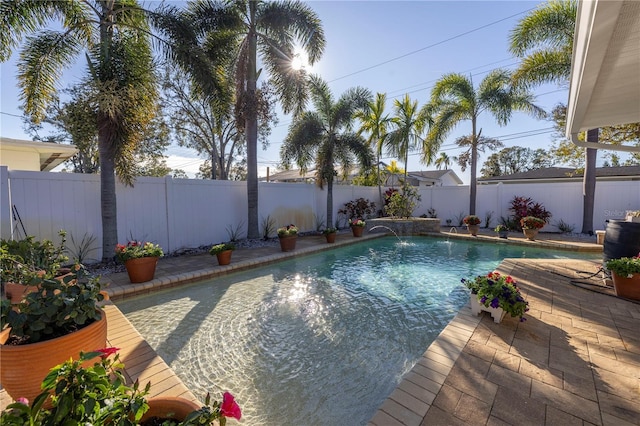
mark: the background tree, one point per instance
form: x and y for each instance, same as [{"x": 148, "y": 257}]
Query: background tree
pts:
[
  {"x": 454, "y": 99},
  {"x": 324, "y": 137},
  {"x": 114, "y": 35},
  {"x": 480, "y": 144},
  {"x": 272, "y": 29},
  {"x": 444, "y": 161},
  {"x": 375, "y": 122},
  {"x": 515, "y": 159},
  {"x": 407, "y": 128}
]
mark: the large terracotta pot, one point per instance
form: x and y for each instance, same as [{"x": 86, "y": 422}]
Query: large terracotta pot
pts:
[
  {"x": 23, "y": 367},
  {"x": 530, "y": 234},
  {"x": 331, "y": 237},
  {"x": 628, "y": 288},
  {"x": 142, "y": 269},
  {"x": 357, "y": 231},
  {"x": 168, "y": 407},
  {"x": 473, "y": 229},
  {"x": 288, "y": 242},
  {"x": 224, "y": 258}
]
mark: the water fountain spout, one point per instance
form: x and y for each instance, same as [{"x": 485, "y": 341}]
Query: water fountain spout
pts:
[
  {"x": 382, "y": 226},
  {"x": 454, "y": 230}
]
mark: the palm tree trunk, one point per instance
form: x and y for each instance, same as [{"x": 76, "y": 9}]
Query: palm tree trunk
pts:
[
  {"x": 379, "y": 185},
  {"x": 474, "y": 160},
  {"x": 251, "y": 131},
  {"x": 589, "y": 184},
  {"x": 108, "y": 205},
  {"x": 329, "y": 203}
]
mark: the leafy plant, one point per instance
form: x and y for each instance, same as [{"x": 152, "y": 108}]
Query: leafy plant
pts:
[
  {"x": 81, "y": 250},
  {"x": 523, "y": 207},
  {"x": 58, "y": 307},
  {"x": 625, "y": 266},
  {"x": 471, "y": 220},
  {"x": 24, "y": 260},
  {"x": 531, "y": 222},
  {"x": 137, "y": 249},
  {"x": 219, "y": 248},
  {"x": 288, "y": 230},
  {"x": 498, "y": 291},
  {"x": 319, "y": 220},
  {"x": 501, "y": 228},
  {"x": 330, "y": 230},
  {"x": 358, "y": 208},
  {"x": 268, "y": 227},
  {"x": 357, "y": 222},
  {"x": 432, "y": 213},
  {"x": 402, "y": 204},
  {"x": 487, "y": 218},
  {"x": 460, "y": 218},
  {"x": 564, "y": 227},
  {"x": 235, "y": 232},
  {"x": 448, "y": 222}
]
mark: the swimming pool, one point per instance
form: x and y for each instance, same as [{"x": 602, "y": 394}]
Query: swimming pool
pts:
[{"x": 321, "y": 339}]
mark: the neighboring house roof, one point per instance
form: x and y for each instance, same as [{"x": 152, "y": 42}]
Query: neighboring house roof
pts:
[
  {"x": 435, "y": 175},
  {"x": 604, "y": 85},
  {"x": 292, "y": 176},
  {"x": 430, "y": 176},
  {"x": 49, "y": 155},
  {"x": 565, "y": 173}
]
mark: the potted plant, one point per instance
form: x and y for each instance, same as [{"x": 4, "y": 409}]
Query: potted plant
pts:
[
  {"x": 330, "y": 234},
  {"x": 530, "y": 226},
  {"x": 632, "y": 216},
  {"x": 140, "y": 259},
  {"x": 473, "y": 224},
  {"x": 502, "y": 230},
  {"x": 97, "y": 394},
  {"x": 288, "y": 236},
  {"x": 223, "y": 252},
  {"x": 23, "y": 262},
  {"x": 50, "y": 325},
  {"x": 357, "y": 226},
  {"x": 497, "y": 294},
  {"x": 626, "y": 276}
]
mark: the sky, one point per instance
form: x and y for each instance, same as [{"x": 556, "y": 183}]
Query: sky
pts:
[{"x": 392, "y": 47}]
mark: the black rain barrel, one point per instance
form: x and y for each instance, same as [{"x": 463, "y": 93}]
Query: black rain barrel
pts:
[{"x": 621, "y": 239}]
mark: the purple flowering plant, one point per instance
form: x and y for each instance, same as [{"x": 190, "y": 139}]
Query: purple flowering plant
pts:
[{"x": 498, "y": 291}]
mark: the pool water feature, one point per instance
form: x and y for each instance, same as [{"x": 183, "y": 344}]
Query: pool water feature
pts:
[{"x": 320, "y": 339}]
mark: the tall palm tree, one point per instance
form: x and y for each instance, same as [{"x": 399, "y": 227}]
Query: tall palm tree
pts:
[
  {"x": 272, "y": 29},
  {"x": 324, "y": 137},
  {"x": 454, "y": 99},
  {"x": 375, "y": 122},
  {"x": 393, "y": 170},
  {"x": 443, "y": 160},
  {"x": 409, "y": 124},
  {"x": 544, "y": 39},
  {"x": 114, "y": 35}
]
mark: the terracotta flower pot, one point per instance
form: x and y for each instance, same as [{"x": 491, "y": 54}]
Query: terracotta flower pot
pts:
[
  {"x": 530, "y": 234},
  {"x": 142, "y": 269},
  {"x": 628, "y": 288},
  {"x": 357, "y": 231},
  {"x": 23, "y": 367},
  {"x": 288, "y": 242},
  {"x": 168, "y": 407},
  {"x": 473, "y": 229},
  {"x": 224, "y": 258},
  {"x": 331, "y": 237}
]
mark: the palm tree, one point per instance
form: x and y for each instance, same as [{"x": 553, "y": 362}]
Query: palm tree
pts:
[
  {"x": 324, "y": 137},
  {"x": 273, "y": 29},
  {"x": 393, "y": 170},
  {"x": 409, "y": 124},
  {"x": 114, "y": 35},
  {"x": 375, "y": 122},
  {"x": 544, "y": 39},
  {"x": 443, "y": 160},
  {"x": 454, "y": 99}
]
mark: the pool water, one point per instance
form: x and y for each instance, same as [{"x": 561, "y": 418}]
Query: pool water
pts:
[{"x": 321, "y": 339}]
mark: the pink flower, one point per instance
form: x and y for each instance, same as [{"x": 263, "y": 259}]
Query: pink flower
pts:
[
  {"x": 229, "y": 407},
  {"x": 107, "y": 351},
  {"x": 24, "y": 401}
]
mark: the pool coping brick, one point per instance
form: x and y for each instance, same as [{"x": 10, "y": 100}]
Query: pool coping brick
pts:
[{"x": 475, "y": 371}]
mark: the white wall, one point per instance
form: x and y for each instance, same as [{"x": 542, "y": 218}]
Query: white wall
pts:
[{"x": 183, "y": 213}]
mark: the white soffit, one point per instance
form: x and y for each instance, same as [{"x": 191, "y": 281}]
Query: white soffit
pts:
[{"x": 605, "y": 76}]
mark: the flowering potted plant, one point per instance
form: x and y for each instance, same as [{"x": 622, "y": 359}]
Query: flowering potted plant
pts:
[
  {"x": 531, "y": 225},
  {"x": 140, "y": 259},
  {"x": 357, "y": 226},
  {"x": 288, "y": 236},
  {"x": 473, "y": 224},
  {"x": 223, "y": 252},
  {"x": 497, "y": 294},
  {"x": 98, "y": 395},
  {"x": 626, "y": 276},
  {"x": 330, "y": 234},
  {"x": 502, "y": 230},
  {"x": 50, "y": 325}
]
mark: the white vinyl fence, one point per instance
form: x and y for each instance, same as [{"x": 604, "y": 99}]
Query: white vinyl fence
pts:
[{"x": 184, "y": 213}]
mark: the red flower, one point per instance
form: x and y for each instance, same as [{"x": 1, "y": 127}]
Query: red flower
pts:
[
  {"x": 229, "y": 407},
  {"x": 107, "y": 351}
]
